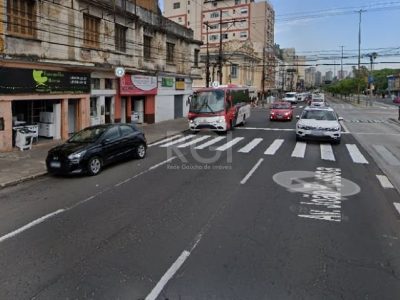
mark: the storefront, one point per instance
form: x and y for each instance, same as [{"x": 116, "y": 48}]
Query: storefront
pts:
[
  {"x": 172, "y": 98},
  {"x": 102, "y": 98},
  {"x": 50, "y": 103},
  {"x": 137, "y": 97}
]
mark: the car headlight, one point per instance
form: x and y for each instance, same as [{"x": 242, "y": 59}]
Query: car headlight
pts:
[
  {"x": 77, "y": 156},
  {"x": 299, "y": 126}
]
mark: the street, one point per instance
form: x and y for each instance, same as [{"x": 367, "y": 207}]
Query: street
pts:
[{"x": 248, "y": 215}]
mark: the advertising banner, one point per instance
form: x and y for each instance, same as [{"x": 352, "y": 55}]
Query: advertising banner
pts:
[
  {"x": 28, "y": 81},
  {"x": 138, "y": 85},
  {"x": 180, "y": 84}
]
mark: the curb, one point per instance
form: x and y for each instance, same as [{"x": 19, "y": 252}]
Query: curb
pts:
[{"x": 23, "y": 179}]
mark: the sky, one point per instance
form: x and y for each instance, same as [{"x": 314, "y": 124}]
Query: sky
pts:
[{"x": 335, "y": 24}]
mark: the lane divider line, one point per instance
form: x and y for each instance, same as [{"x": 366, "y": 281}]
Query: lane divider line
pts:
[
  {"x": 244, "y": 180},
  {"x": 397, "y": 206},
  {"x": 384, "y": 181}
]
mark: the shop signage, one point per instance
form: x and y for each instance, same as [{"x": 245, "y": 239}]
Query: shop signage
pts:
[
  {"x": 138, "y": 85},
  {"x": 180, "y": 83},
  {"x": 22, "y": 81},
  {"x": 167, "y": 82}
]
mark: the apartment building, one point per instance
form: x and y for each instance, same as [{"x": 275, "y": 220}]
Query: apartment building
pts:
[
  {"x": 70, "y": 64},
  {"x": 244, "y": 24}
]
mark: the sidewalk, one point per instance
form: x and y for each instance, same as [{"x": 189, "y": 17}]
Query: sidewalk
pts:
[{"x": 18, "y": 166}]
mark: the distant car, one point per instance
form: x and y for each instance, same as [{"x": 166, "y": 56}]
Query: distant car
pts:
[
  {"x": 317, "y": 102},
  {"x": 90, "y": 149},
  {"x": 281, "y": 110},
  {"x": 396, "y": 100},
  {"x": 290, "y": 97},
  {"x": 319, "y": 123}
]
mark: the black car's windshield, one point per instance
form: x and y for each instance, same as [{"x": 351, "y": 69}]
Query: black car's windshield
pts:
[
  {"x": 280, "y": 106},
  {"x": 319, "y": 115},
  {"x": 88, "y": 135},
  {"x": 207, "y": 102}
]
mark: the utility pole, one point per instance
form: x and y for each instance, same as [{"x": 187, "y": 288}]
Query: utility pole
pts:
[
  {"x": 263, "y": 76},
  {"x": 207, "y": 60},
  {"x": 341, "y": 65},
  {"x": 220, "y": 48},
  {"x": 359, "y": 55}
]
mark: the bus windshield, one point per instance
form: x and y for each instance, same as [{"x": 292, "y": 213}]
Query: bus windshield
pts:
[{"x": 207, "y": 102}]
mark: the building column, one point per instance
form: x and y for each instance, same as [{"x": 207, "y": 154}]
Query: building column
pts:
[
  {"x": 6, "y": 132},
  {"x": 64, "y": 119},
  {"x": 84, "y": 116},
  {"x": 117, "y": 104},
  {"x": 128, "y": 109}
]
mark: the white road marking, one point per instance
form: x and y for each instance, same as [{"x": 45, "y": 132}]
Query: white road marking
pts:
[
  {"x": 230, "y": 144},
  {"x": 384, "y": 181},
  {"x": 355, "y": 154},
  {"x": 199, "y": 139},
  {"x": 274, "y": 147},
  {"x": 209, "y": 143},
  {"x": 397, "y": 206},
  {"x": 30, "y": 225},
  {"x": 168, "y": 275},
  {"x": 178, "y": 140},
  {"x": 62, "y": 210},
  {"x": 265, "y": 129},
  {"x": 344, "y": 127},
  {"x": 299, "y": 149},
  {"x": 165, "y": 140},
  {"x": 244, "y": 180},
  {"x": 327, "y": 152},
  {"x": 387, "y": 155},
  {"x": 250, "y": 146}
]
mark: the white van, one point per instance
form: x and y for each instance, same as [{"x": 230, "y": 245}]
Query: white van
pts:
[{"x": 290, "y": 97}]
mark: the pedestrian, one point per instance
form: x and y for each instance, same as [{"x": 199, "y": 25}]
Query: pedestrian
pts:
[{"x": 399, "y": 113}]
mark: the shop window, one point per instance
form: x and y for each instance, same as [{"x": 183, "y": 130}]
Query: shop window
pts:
[
  {"x": 21, "y": 15},
  {"x": 108, "y": 84},
  {"x": 234, "y": 71},
  {"x": 120, "y": 38},
  {"x": 147, "y": 47},
  {"x": 91, "y": 31},
  {"x": 93, "y": 106},
  {"x": 170, "y": 52}
]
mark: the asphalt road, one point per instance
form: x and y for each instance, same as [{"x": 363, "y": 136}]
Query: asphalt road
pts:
[{"x": 267, "y": 218}]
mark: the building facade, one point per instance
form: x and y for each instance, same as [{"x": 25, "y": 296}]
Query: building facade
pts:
[
  {"x": 69, "y": 65},
  {"x": 247, "y": 24}
]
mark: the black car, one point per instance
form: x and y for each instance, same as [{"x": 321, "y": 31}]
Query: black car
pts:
[{"x": 94, "y": 147}]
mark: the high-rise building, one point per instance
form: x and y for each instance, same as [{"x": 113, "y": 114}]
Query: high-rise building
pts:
[
  {"x": 318, "y": 78},
  {"x": 310, "y": 77},
  {"x": 244, "y": 28},
  {"x": 329, "y": 76}
]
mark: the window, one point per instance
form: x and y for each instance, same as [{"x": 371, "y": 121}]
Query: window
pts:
[
  {"x": 95, "y": 83},
  {"x": 234, "y": 71},
  {"x": 170, "y": 52},
  {"x": 215, "y": 3},
  {"x": 108, "y": 84},
  {"x": 214, "y": 26},
  {"x": 214, "y": 14},
  {"x": 120, "y": 38},
  {"x": 243, "y": 11},
  {"x": 126, "y": 130},
  {"x": 237, "y": 2},
  {"x": 147, "y": 47},
  {"x": 93, "y": 106},
  {"x": 91, "y": 31},
  {"x": 224, "y": 25},
  {"x": 21, "y": 17},
  {"x": 176, "y": 5},
  {"x": 112, "y": 133},
  {"x": 225, "y": 13},
  {"x": 224, "y": 36},
  {"x": 179, "y": 19},
  {"x": 214, "y": 37},
  {"x": 243, "y": 34},
  {"x": 196, "y": 57}
]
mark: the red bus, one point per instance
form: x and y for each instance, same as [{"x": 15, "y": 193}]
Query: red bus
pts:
[{"x": 219, "y": 109}]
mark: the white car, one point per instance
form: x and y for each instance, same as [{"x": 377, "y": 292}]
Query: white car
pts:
[
  {"x": 290, "y": 97},
  {"x": 319, "y": 123}
]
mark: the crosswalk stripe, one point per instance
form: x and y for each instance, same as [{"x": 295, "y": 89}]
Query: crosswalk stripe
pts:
[
  {"x": 384, "y": 181},
  {"x": 192, "y": 142},
  {"x": 186, "y": 137},
  {"x": 229, "y": 144},
  {"x": 274, "y": 147},
  {"x": 387, "y": 155},
  {"x": 327, "y": 152},
  {"x": 209, "y": 143},
  {"x": 165, "y": 140},
  {"x": 355, "y": 154},
  {"x": 299, "y": 149},
  {"x": 397, "y": 206},
  {"x": 250, "y": 146}
]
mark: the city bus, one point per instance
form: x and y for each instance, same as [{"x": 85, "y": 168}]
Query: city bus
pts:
[{"x": 219, "y": 108}]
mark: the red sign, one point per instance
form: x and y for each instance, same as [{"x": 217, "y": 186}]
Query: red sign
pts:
[{"x": 138, "y": 85}]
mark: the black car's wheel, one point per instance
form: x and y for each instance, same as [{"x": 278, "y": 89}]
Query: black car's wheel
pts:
[
  {"x": 94, "y": 166},
  {"x": 140, "y": 151}
]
